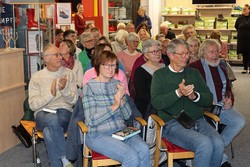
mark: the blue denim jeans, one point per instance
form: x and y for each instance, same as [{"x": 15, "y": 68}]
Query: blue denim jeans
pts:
[
  {"x": 53, "y": 127},
  {"x": 202, "y": 139},
  {"x": 234, "y": 122},
  {"x": 133, "y": 152}
]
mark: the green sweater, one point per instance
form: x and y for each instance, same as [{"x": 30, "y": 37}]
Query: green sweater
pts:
[{"x": 164, "y": 97}]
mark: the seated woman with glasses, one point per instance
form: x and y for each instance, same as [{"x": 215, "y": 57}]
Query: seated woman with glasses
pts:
[
  {"x": 91, "y": 73},
  {"x": 129, "y": 55},
  {"x": 67, "y": 49},
  {"x": 144, "y": 73},
  {"x": 105, "y": 109}
]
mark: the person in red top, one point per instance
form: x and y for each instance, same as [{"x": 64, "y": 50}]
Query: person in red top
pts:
[{"x": 80, "y": 22}]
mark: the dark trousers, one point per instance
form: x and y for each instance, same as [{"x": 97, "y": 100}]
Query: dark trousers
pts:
[{"x": 246, "y": 61}]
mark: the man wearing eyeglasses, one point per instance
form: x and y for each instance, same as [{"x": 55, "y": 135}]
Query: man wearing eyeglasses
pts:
[
  {"x": 52, "y": 93},
  {"x": 176, "y": 89},
  {"x": 216, "y": 79}
]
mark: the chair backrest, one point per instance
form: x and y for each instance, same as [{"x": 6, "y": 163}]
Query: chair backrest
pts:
[{"x": 28, "y": 113}]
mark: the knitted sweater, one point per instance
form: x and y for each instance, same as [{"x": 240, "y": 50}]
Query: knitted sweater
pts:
[
  {"x": 97, "y": 101},
  {"x": 40, "y": 90},
  {"x": 164, "y": 97}
]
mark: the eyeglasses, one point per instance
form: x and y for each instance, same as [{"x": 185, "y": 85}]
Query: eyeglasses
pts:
[
  {"x": 90, "y": 41},
  {"x": 154, "y": 52},
  {"x": 135, "y": 42},
  {"x": 108, "y": 66},
  {"x": 182, "y": 54},
  {"x": 55, "y": 54},
  {"x": 213, "y": 52}
]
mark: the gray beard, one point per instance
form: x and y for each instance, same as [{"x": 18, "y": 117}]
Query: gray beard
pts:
[{"x": 213, "y": 64}]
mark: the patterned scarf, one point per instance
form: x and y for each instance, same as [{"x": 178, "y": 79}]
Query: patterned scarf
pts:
[{"x": 70, "y": 63}]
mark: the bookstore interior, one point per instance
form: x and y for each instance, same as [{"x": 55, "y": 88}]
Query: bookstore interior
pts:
[{"x": 28, "y": 25}]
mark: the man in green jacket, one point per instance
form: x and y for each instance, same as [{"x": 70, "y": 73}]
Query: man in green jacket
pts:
[{"x": 177, "y": 88}]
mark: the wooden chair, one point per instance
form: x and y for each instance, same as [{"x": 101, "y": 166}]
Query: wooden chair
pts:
[
  {"x": 96, "y": 158},
  {"x": 173, "y": 152}
]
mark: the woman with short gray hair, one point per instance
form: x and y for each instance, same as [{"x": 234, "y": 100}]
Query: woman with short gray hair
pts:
[
  {"x": 88, "y": 42},
  {"x": 129, "y": 55},
  {"x": 144, "y": 73}
]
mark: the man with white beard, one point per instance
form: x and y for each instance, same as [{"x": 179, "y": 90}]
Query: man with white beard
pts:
[{"x": 216, "y": 79}]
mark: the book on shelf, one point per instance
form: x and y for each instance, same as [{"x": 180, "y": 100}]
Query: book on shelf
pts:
[
  {"x": 126, "y": 133},
  {"x": 49, "y": 110}
]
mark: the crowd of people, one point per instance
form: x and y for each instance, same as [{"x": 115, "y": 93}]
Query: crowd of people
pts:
[{"x": 172, "y": 74}]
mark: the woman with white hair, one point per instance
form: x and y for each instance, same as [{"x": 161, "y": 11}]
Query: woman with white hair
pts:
[
  {"x": 129, "y": 55},
  {"x": 119, "y": 44}
]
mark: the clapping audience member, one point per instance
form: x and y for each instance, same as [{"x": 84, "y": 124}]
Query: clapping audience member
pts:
[
  {"x": 91, "y": 73},
  {"x": 144, "y": 73},
  {"x": 216, "y": 79},
  {"x": 53, "y": 88},
  {"x": 107, "y": 115},
  {"x": 67, "y": 49},
  {"x": 177, "y": 89},
  {"x": 194, "y": 44},
  {"x": 129, "y": 55}
]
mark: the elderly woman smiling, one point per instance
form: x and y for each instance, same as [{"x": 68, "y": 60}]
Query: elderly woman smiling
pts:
[{"x": 129, "y": 55}]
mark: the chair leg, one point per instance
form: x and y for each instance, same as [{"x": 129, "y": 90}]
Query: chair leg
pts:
[
  {"x": 34, "y": 133},
  {"x": 232, "y": 149},
  {"x": 170, "y": 160}
]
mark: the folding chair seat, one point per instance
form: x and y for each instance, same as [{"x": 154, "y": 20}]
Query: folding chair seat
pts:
[
  {"x": 98, "y": 159},
  {"x": 30, "y": 127},
  {"x": 173, "y": 151}
]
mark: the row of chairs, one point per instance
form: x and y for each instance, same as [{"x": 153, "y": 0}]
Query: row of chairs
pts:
[{"x": 173, "y": 152}]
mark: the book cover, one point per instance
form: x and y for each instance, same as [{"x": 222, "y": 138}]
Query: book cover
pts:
[{"x": 126, "y": 133}]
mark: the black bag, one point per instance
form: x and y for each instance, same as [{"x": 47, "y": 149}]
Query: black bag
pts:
[
  {"x": 215, "y": 109},
  {"x": 185, "y": 120},
  {"x": 23, "y": 135}
]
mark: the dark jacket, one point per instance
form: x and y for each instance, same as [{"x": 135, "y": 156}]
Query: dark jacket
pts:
[
  {"x": 146, "y": 19},
  {"x": 242, "y": 25}
]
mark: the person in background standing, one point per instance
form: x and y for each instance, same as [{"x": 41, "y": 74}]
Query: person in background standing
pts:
[
  {"x": 80, "y": 23},
  {"x": 242, "y": 25},
  {"x": 143, "y": 18}
]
